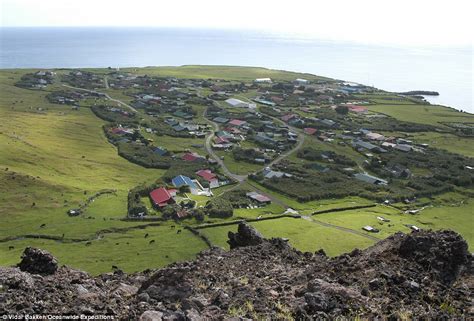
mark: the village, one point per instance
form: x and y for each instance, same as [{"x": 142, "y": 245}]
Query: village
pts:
[{"x": 307, "y": 140}]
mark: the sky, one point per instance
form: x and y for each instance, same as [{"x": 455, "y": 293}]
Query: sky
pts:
[{"x": 410, "y": 22}]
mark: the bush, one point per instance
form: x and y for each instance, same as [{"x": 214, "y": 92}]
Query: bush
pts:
[{"x": 219, "y": 207}]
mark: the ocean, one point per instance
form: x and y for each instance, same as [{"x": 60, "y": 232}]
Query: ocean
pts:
[{"x": 395, "y": 68}]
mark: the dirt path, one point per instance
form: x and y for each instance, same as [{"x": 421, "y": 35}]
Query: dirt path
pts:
[{"x": 341, "y": 228}]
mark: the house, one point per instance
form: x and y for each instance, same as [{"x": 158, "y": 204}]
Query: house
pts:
[
  {"x": 369, "y": 228},
  {"x": 288, "y": 117},
  {"x": 263, "y": 80},
  {"x": 160, "y": 151},
  {"x": 328, "y": 122},
  {"x": 268, "y": 173},
  {"x": 357, "y": 109},
  {"x": 237, "y": 122},
  {"x": 182, "y": 180},
  {"x": 178, "y": 128},
  {"x": 398, "y": 170},
  {"x": 192, "y": 157},
  {"x": 375, "y": 136},
  {"x": 161, "y": 197},
  {"x": 259, "y": 198},
  {"x": 318, "y": 167},
  {"x": 237, "y": 103},
  {"x": 310, "y": 131},
  {"x": 360, "y": 144},
  {"x": 383, "y": 219},
  {"x": 209, "y": 176},
  {"x": 301, "y": 81},
  {"x": 220, "y": 120},
  {"x": 264, "y": 102},
  {"x": 370, "y": 179},
  {"x": 221, "y": 140},
  {"x": 182, "y": 115},
  {"x": 403, "y": 147},
  {"x": 171, "y": 121}
]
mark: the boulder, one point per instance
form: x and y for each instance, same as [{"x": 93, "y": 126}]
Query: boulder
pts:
[
  {"x": 151, "y": 316},
  {"x": 246, "y": 236},
  {"x": 36, "y": 261}
]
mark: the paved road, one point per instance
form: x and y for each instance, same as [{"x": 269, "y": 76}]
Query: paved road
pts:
[{"x": 105, "y": 95}]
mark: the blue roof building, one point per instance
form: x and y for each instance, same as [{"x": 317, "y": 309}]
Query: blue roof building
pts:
[
  {"x": 161, "y": 151},
  {"x": 182, "y": 180}
]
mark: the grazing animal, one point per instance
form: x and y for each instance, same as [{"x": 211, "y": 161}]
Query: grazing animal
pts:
[
  {"x": 11, "y": 247},
  {"x": 114, "y": 267},
  {"x": 146, "y": 235},
  {"x": 42, "y": 225},
  {"x": 178, "y": 231},
  {"x": 88, "y": 243},
  {"x": 172, "y": 227},
  {"x": 151, "y": 242}
]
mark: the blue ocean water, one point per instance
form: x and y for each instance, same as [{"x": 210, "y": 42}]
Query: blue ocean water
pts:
[{"x": 446, "y": 70}]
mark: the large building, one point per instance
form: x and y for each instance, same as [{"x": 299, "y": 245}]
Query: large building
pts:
[{"x": 237, "y": 103}]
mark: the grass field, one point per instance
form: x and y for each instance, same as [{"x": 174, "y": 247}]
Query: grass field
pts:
[
  {"x": 451, "y": 143},
  {"x": 222, "y": 72},
  {"x": 302, "y": 234},
  {"x": 423, "y": 114}
]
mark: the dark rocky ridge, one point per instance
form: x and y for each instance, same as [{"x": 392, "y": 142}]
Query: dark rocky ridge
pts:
[{"x": 424, "y": 274}]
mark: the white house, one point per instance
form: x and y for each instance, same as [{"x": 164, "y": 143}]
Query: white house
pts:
[
  {"x": 236, "y": 103},
  {"x": 263, "y": 80},
  {"x": 301, "y": 81}
]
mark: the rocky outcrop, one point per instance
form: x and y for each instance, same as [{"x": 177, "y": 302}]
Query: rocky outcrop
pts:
[
  {"x": 246, "y": 235},
  {"x": 423, "y": 275},
  {"x": 38, "y": 261}
]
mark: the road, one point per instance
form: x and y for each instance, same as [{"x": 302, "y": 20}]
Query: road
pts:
[
  {"x": 105, "y": 95},
  {"x": 341, "y": 228}
]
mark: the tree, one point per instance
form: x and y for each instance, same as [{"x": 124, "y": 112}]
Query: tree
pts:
[{"x": 343, "y": 110}]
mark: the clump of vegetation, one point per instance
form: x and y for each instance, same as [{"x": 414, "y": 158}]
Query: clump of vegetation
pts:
[
  {"x": 114, "y": 114},
  {"x": 246, "y": 155},
  {"x": 312, "y": 154}
]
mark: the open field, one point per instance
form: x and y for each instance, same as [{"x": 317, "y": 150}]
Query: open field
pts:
[
  {"x": 302, "y": 234},
  {"x": 423, "y": 114},
  {"x": 221, "y": 72}
]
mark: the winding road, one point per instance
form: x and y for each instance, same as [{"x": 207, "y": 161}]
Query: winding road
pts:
[{"x": 105, "y": 95}]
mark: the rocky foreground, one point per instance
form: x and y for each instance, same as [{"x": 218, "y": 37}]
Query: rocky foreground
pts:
[{"x": 423, "y": 275}]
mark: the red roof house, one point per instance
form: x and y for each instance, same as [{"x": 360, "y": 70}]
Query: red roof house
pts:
[
  {"x": 221, "y": 140},
  {"x": 237, "y": 122},
  {"x": 310, "y": 131},
  {"x": 161, "y": 197},
  {"x": 206, "y": 174},
  {"x": 288, "y": 117},
  {"x": 357, "y": 109},
  {"x": 192, "y": 157},
  {"x": 209, "y": 176}
]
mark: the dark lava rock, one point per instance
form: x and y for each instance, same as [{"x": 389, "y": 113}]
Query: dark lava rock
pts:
[
  {"x": 427, "y": 275},
  {"x": 445, "y": 252},
  {"x": 246, "y": 236},
  {"x": 38, "y": 261}
]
